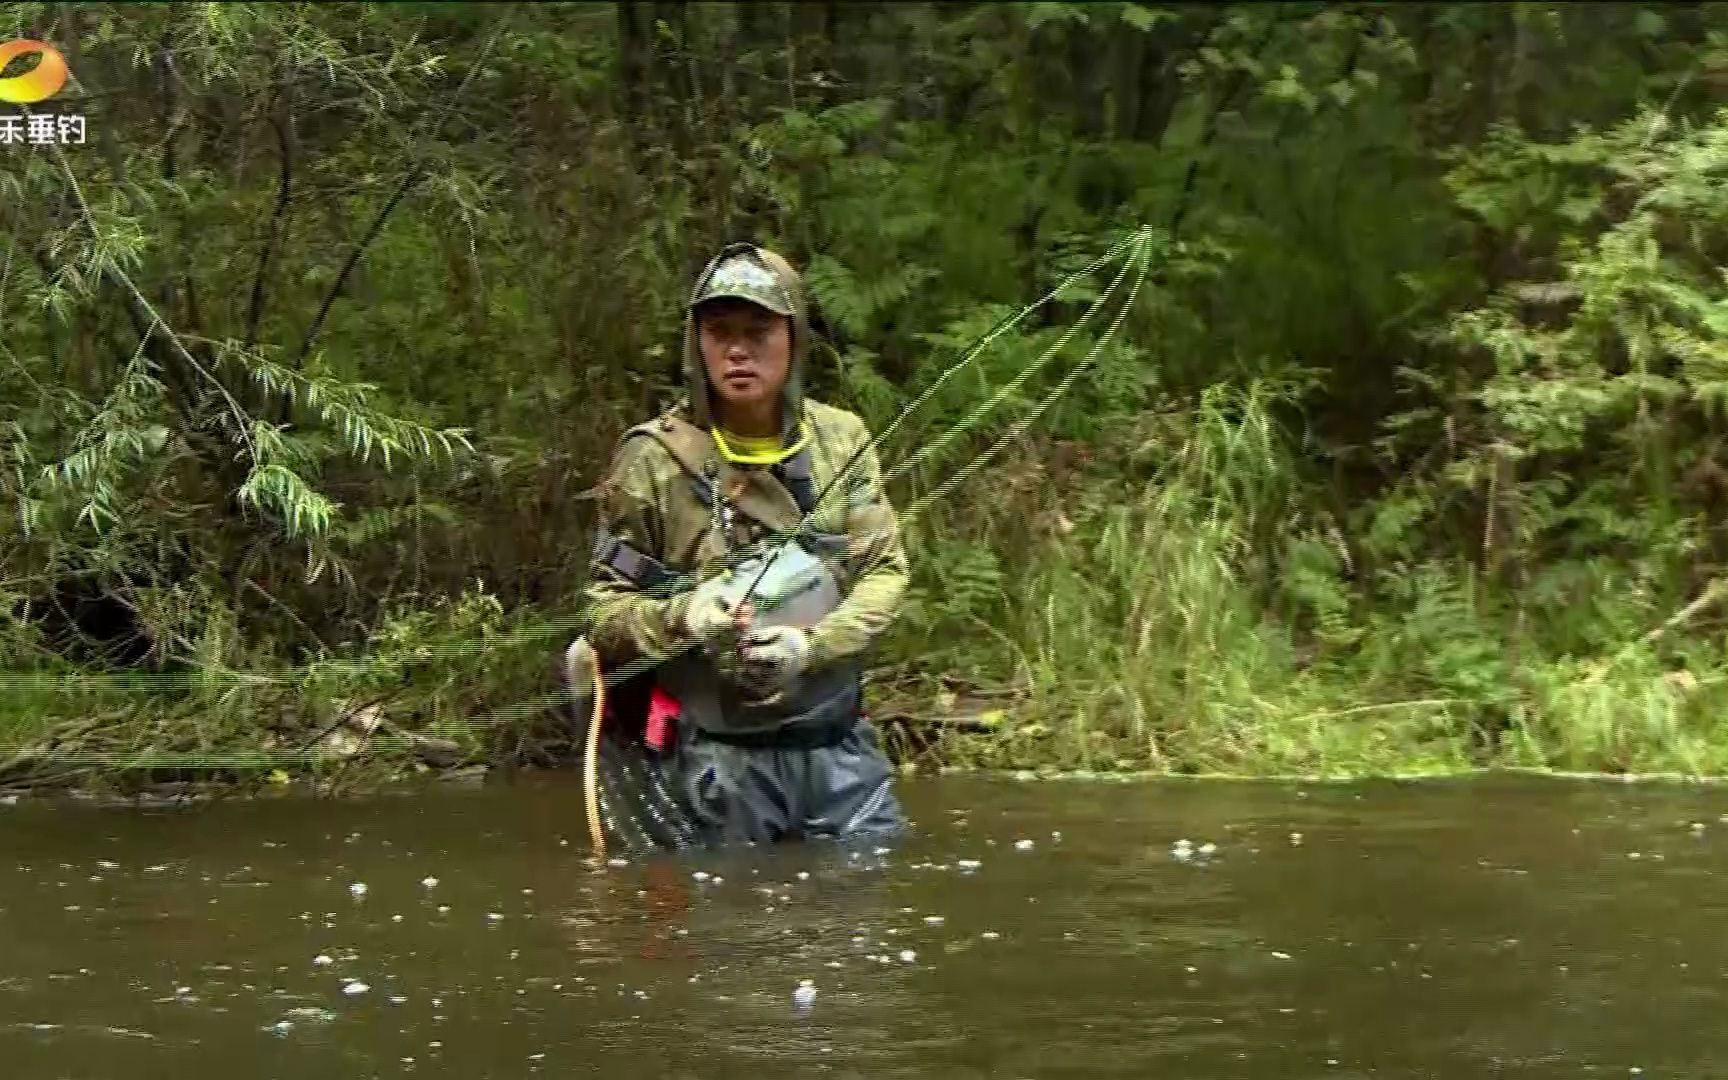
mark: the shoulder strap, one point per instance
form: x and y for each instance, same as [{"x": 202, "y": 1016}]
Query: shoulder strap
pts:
[
  {"x": 693, "y": 449},
  {"x": 795, "y": 473},
  {"x": 687, "y": 443}
]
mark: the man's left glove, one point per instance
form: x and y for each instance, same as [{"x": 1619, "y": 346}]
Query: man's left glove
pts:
[{"x": 775, "y": 656}]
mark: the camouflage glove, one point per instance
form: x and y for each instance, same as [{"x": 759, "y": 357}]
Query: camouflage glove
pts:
[{"x": 775, "y": 656}]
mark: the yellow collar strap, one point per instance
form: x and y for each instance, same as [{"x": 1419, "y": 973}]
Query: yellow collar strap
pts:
[{"x": 752, "y": 455}]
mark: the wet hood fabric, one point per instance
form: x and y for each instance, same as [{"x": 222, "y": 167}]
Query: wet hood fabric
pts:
[{"x": 696, "y": 375}]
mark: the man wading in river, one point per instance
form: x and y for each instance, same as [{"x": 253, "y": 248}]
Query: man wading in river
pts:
[{"x": 770, "y": 740}]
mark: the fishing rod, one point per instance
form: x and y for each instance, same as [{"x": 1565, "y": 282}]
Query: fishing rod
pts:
[
  {"x": 1019, "y": 427},
  {"x": 1139, "y": 241}
]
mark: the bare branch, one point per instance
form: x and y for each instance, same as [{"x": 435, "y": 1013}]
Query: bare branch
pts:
[
  {"x": 284, "y": 125},
  {"x": 354, "y": 254},
  {"x": 1226, "y": 98},
  {"x": 414, "y": 177}
]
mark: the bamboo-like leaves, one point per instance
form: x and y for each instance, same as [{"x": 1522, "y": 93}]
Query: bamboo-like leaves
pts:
[
  {"x": 280, "y": 490},
  {"x": 366, "y": 432}
]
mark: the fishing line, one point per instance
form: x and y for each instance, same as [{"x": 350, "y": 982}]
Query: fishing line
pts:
[
  {"x": 1019, "y": 427},
  {"x": 995, "y": 332},
  {"x": 1008, "y": 389}
]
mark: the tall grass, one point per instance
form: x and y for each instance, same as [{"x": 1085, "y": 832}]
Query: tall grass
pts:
[{"x": 1183, "y": 627}]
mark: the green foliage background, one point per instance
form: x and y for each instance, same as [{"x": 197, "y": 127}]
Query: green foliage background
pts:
[{"x": 1410, "y": 456}]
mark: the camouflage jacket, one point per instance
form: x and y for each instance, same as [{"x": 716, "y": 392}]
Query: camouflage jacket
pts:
[{"x": 651, "y": 501}]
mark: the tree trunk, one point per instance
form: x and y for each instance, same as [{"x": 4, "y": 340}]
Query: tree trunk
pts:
[
  {"x": 1127, "y": 59},
  {"x": 1485, "y": 71},
  {"x": 636, "y": 71},
  {"x": 813, "y": 30},
  {"x": 1167, "y": 45},
  {"x": 756, "y": 43},
  {"x": 1087, "y": 87},
  {"x": 677, "y": 85}
]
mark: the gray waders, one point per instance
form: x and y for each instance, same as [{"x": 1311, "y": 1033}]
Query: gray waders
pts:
[{"x": 763, "y": 793}]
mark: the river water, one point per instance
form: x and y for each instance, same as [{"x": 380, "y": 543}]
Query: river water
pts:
[{"x": 1461, "y": 929}]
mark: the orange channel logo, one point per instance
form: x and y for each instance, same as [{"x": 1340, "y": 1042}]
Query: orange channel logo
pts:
[{"x": 32, "y": 86}]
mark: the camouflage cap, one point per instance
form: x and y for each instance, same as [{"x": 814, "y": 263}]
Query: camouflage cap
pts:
[{"x": 744, "y": 278}]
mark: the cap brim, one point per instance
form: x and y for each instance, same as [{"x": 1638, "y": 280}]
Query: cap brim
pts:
[{"x": 757, "y": 300}]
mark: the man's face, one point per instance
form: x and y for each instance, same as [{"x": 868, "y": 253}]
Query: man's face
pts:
[{"x": 747, "y": 351}]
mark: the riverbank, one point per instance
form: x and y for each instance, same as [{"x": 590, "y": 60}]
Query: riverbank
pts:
[
  {"x": 147, "y": 790},
  {"x": 1144, "y": 640},
  {"x": 1018, "y": 734},
  {"x": 1128, "y": 647}
]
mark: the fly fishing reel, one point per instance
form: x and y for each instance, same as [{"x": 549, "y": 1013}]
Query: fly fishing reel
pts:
[{"x": 797, "y": 588}]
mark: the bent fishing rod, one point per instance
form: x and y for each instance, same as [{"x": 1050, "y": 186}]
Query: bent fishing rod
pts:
[{"x": 1139, "y": 241}]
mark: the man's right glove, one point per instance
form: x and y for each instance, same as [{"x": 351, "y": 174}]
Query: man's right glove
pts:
[{"x": 706, "y": 621}]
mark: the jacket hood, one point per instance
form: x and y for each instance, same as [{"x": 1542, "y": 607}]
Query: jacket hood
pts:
[{"x": 781, "y": 291}]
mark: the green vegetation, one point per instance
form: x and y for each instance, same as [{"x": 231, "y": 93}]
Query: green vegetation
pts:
[{"x": 1410, "y": 455}]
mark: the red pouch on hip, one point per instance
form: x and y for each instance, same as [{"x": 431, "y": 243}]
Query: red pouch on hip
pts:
[{"x": 663, "y": 713}]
